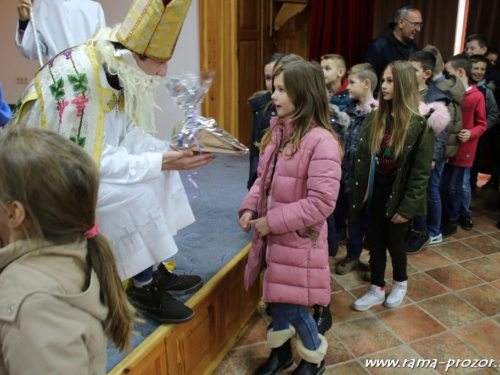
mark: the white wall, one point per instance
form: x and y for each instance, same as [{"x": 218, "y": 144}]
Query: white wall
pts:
[{"x": 186, "y": 56}]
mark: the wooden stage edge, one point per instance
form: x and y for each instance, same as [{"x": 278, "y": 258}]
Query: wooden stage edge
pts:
[{"x": 223, "y": 311}]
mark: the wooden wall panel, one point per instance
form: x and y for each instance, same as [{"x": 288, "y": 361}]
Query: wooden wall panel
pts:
[
  {"x": 250, "y": 56},
  {"x": 293, "y": 36},
  {"x": 219, "y": 52}
]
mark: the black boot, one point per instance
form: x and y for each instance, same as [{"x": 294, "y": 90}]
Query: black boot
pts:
[
  {"x": 323, "y": 318},
  {"x": 306, "y": 368},
  {"x": 158, "y": 304},
  {"x": 176, "y": 284},
  {"x": 281, "y": 358}
]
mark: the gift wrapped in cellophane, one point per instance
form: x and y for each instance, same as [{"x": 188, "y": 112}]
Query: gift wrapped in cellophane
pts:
[{"x": 194, "y": 132}]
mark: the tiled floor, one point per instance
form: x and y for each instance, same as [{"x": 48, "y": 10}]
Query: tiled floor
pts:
[{"x": 451, "y": 311}]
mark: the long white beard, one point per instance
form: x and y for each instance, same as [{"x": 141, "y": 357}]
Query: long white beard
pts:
[{"x": 139, "y": 87}]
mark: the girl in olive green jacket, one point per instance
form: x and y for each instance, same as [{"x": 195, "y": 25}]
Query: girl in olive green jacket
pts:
[{"x": 391, "y": 173}]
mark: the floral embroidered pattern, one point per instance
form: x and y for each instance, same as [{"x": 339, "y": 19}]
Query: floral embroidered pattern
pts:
[
  {"x": 80, "y": 101},
  {"x": 67, "y": 54},
  {"x": 57, "y": 89},
  {"x": 60, "y": 108},
  {"x": 79, "y": 82}
]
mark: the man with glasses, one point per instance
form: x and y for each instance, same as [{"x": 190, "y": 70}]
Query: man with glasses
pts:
[{"x": 397, "y": 41}]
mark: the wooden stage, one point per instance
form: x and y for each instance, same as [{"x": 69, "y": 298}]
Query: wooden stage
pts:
[{"x": 223, "y": 311}]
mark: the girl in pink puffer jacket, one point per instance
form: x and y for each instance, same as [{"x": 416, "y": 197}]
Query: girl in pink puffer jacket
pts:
[{"x": 296, "y": 189}]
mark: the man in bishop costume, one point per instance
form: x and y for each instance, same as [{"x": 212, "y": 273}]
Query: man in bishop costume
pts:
[{"x": 101, "y": 96}]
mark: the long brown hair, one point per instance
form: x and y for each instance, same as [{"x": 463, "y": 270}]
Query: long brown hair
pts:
[
  {"x": 403, "y": 106},
  {"x": 304, "y": 83},
  {"x": 57, "y": 184}
]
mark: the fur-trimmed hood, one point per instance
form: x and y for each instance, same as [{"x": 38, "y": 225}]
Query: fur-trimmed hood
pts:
[
  {"x": 436, "y": 114},
  {"x": 370, "y": 105},
  {"x": 341, "y": 118}
]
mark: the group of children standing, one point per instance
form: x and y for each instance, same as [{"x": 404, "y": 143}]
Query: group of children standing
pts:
[{"x": 379, "y": 176}]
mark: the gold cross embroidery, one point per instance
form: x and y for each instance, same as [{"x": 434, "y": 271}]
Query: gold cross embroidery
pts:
[{"x": 117, "y": 102}]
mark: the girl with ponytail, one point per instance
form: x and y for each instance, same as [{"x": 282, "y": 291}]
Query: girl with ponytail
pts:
[{"x": 60, "y": 294}]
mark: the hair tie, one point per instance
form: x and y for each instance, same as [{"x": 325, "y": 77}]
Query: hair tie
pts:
[{"x": 92, "y": 232}]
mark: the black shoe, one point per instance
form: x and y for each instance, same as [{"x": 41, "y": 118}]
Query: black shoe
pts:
[
  {"x": 448, "y": 229},
  {"x": 491, "y": 184},
  {"x": 280, "y": 358},
  {"x": 306, "y": 368},
  {"x": 158, "y": 304},
  {"x": 177, "y": 284},
  {"x": 466, "y": 222},
  {"x": 323, "y": 318},
  {"x": 498, "y": 225},
  {"x": 416, "y": 242}
]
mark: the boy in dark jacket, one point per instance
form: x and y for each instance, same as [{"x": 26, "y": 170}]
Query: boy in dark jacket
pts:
[
  {"x": 334, "y": 69},
  {"x": 427, "y": 229},
  {"x": 362, "y": 79}
]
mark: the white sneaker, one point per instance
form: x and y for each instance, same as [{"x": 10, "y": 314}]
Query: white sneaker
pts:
[
  {"x": 397, "y": 293},
  {"x": 375, "y": 296},
  {"x": 436, "y": 239}
]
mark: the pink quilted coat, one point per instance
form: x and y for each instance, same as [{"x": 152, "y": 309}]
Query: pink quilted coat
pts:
[{"x": 304, "y": 191}]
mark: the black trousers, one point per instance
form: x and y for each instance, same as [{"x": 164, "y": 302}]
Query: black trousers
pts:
[{"x": 385, "y": 235}]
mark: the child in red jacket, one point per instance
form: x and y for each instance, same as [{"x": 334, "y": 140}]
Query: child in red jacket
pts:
[{"x": 474, "y": 125}]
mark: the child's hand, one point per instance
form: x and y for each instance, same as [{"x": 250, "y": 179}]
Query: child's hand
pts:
[
  {"x": 261, "y": 227},
  {"x": 244, "y": 221},
  {"x": 464, "y": 135},
  {"x": 398, "y": 219}
]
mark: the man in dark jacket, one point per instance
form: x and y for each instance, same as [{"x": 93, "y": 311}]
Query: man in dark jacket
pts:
[{"x": 397, "y": 41}]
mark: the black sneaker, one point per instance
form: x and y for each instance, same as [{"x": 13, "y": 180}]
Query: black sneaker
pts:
[
  {"x": 158, "y": 304},
  {"x": 448, "y": 229},
  {"x": 177, "y": 284},
  {"x": 305, "y": 367},
  {"x": 491, "y": 184},
  {"x": 346, "y": 265},
  {"x": 416, "y": 242},
  {"x": 323, "y": 318},
  {"x": 466, "y": 222}
]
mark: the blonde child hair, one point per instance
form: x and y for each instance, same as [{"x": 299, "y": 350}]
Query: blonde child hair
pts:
[
  {"x": 311, "y": 105},
  {"x": 364, "y": 71},
  {"x": 338, "y": 59},
  {"x": 404, "y": 105},
  {"x": 57, "y": 184}
]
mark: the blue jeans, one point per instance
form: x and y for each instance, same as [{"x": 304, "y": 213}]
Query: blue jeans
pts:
[
  {"x": 357, "y": 224},
  {"x": 432, "y": 222},
  {"x": 451, "y": 189},
  {"x": 466, "y": 193},
  {"x": 333, "y": 245},
  {"x": 145, "y": 275},
  {"x": 285, "y": 314},
  {"x": 340, "y": 213}
]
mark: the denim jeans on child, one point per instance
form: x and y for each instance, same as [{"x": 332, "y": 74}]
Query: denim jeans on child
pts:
[
  {"x": 432, "y": 222},
  {"x": 466, "y": 193},
  {"x": 285, "y": 314},
  {"x": 451, "y": 191},
  {"x": 145, "y": 275},
  {"x": 357, "y": 224},
  {"x": 333, "y": 245}
]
